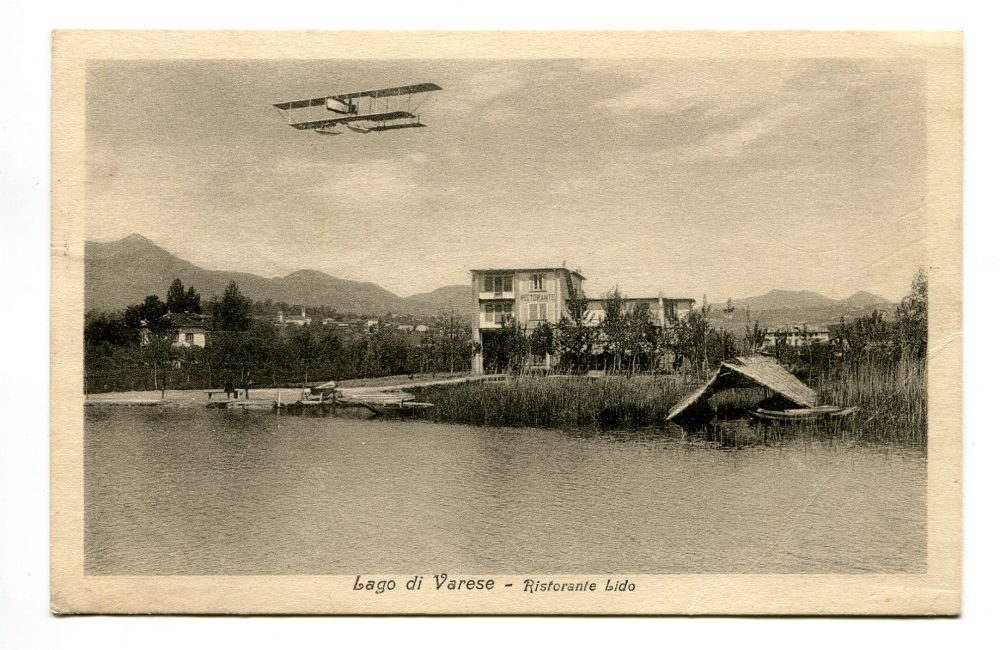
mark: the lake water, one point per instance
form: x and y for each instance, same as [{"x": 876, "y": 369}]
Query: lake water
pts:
[{"x": 197, "y": 492}]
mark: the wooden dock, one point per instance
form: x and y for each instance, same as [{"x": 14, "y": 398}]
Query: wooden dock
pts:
[
  {"x": 454, "y": 381},
  {"x": 264, "y": 398}
]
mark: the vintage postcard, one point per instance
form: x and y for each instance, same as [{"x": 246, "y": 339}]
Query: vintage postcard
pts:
[{"x": 506, "y": 323}]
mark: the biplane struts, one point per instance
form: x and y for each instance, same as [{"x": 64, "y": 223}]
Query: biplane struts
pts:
[{"x": 367, "y": 111}]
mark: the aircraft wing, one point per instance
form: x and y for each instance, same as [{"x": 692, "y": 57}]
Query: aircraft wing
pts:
[
  {"x": 392, "y": 92},
  {"x": 373, "y": 117},
  {"x": 301, "y": 103},
  {"x": 383, "y": 92},
  {"x": 390, "y": 127}
]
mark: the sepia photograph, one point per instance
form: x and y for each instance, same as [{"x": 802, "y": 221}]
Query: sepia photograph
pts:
[{"x": 577, "y": 322}]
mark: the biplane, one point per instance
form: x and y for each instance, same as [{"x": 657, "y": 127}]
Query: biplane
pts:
[{"x": 367, "y": 111}]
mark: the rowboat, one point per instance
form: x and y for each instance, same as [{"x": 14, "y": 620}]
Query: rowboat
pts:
[
  {"x": 396, "y": 402},
  {"x": 805, "y": 414}
]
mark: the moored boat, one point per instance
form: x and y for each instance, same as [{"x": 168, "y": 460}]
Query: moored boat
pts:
[{"x": 804, "y": 414}]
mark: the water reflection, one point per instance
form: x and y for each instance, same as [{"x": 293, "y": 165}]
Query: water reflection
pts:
[{"x": 178, "y": 491}]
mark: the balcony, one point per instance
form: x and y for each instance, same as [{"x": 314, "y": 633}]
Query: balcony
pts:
[
  {"x": 496, "y": 295},
  {"x": 487, "y": 324}
]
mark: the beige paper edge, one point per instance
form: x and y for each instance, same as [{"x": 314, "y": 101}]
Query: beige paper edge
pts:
[{"x": 937, "y": 592}]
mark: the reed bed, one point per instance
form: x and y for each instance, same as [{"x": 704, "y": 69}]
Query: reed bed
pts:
[
  {"x": 892, "y": 399},
  {"x": 537, "y": 401}
]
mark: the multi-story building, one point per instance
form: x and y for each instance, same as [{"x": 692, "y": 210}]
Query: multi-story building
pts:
[
  {"x": 666, "y": 312},
  {"x": 532, "y": 296},
  {"x": 795, "y": 336},
  {"x": 529, "y": 296}
]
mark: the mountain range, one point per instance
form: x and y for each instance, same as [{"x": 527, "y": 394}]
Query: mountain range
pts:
[
  {"x": 123, "y": 272},
  {"x": 781, "y": 307}
]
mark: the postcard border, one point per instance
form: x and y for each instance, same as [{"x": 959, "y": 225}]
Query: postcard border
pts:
[{"x": 937, "y": 592}]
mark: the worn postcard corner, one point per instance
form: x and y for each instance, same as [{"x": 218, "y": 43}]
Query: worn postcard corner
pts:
[{"x": 506, "y": 323}]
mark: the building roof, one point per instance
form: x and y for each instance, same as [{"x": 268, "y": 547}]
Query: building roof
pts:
[
  {"x": 797, "y": 329},
  {"x": 530, "y": 270},
  {"x": 743, "y": 372},
  {"x": 187, "y": 319},
  {"x": 646, "y": 299}
]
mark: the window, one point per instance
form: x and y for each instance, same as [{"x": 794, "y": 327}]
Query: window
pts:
[
  {"x": 537, "y": 282},
  {"x": 497, "y": 283},
  {"x": 497, "y": 311},
  {"x": 538, "y": 311},
  {"x": 189, "y": 338}
]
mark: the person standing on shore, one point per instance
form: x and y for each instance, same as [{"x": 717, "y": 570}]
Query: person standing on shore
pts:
[{"x": 246, "y": 386}]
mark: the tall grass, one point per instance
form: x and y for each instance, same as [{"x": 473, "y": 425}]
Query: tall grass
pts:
[
  {"x": 558, "y": 401},
  {"x": 892, "y": 398}
]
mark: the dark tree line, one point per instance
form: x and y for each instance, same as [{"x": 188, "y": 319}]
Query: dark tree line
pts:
[
  {"x": 628, "y": 340},
  {"x": 135, "y": 349}
]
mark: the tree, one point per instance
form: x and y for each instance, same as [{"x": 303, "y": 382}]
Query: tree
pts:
[
  {"x": 176, "y": 299},
  {"x": 573, "y": 338},
  {"x": 303, "y": 351},
  {"x": 192, "y": 301},
  {"x": 911, "y": 316},
  {"x": 233, "y": 312},
  {"x": 614, "y": 327},
  {"x": 542, "y": 339},
  {"x": 148, "y": 314},
  {"x": 640, "y": 336},
  {"x": 158, "y": 353},
  {"x": 455, "y": 336},
  {"x": 105, "y": 331},
  {"x": 507, "y": 348},
  {"x": 753, "y": 339},
  {"x": 693, "y": 336},
  {"x": 180, "y": 300}
]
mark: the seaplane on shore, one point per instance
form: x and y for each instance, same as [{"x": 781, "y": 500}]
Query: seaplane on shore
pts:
[{"x": 366, "y": 111}]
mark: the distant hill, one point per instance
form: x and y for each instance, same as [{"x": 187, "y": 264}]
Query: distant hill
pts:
[
  {"x": 123, "y": 272},
  {"x": 454, "y": 296},
  {"x": 781, "y": 299},
  {"x": 779, "y": 307}
]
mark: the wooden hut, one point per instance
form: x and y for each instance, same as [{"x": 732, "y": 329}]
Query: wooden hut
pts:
[{"x": 747, "y": 372}]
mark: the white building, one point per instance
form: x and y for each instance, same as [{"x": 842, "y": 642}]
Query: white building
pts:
[
  {"x": 532, "y": 296},
  {"x": 795, "y": 336},
  {"x": 192, "y": 330},
  {"x": 666, "y": 312},
  {"x": 294, "y": 320}
]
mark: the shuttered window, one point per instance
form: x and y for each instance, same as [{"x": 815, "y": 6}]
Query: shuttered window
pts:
[
  {"x": 538, "y": 311},
  {"x": 498, "y": 283}
]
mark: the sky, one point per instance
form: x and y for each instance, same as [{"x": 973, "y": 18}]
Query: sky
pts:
[{"x": 674, "y": 177}]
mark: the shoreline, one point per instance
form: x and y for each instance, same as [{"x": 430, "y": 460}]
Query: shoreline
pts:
[{"x": 194, "y": 397}]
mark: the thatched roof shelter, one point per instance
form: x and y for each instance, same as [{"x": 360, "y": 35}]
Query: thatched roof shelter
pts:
[{"x": 750, "y": 372}]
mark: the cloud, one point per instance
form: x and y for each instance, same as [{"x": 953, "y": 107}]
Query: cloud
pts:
[
  {"x": 732, "y": 142},
  {"x": 378, "y": 180},
  {"x": 666, "y": 87},
  {"x": 495, "y": 81}
]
